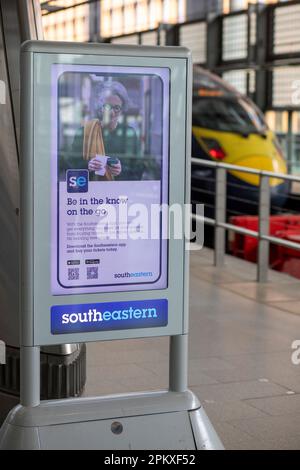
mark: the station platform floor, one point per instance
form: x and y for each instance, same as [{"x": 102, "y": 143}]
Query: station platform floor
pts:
[{"x": 240, "y": 363}]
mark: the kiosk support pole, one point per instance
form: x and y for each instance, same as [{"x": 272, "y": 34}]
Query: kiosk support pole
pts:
[
  {"x": 178, "y": 370},
  {"x": 30, "y": 376}
]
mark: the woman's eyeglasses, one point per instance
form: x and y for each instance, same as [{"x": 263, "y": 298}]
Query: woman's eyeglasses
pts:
[{"x": 110, "y": 107}]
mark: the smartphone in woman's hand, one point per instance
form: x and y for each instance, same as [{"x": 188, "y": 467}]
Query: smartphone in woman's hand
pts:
[{"x": 112, "y": 161}]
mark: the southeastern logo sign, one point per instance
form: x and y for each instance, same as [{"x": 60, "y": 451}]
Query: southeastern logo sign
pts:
[
  {"x": 77, "y": 181},
  {"x": 84, "y": 318}
]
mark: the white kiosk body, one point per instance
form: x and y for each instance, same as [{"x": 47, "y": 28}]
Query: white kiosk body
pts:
[{"x": 105, "y": 139}]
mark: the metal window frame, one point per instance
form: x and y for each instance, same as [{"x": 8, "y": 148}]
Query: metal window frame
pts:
[{"x": 260, "y": 56}]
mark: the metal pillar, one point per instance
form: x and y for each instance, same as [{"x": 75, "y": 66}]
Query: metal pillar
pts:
[
  {"x": 172, "y": 34},
  {"x": 220, "y": 209},
  {"x": 30, "y": 376},
  {"x": 264, "y": 224},
  {"x": 290, "y": 157},
  {"x": 94, "y": 22},
  {"x": 214, "y": 41},
  {"x": 262, "y": 44},
  {"x": 30, "y": 19},
  {"x": 178, "y": 368}
]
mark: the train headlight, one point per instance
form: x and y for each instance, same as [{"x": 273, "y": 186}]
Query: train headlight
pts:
[{"x": 214, "y": 149}]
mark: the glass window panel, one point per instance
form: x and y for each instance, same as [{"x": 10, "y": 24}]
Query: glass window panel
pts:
[
  {"x": 286, "y": 29},
  {"x": 129, "y": 19},
  {"x": 237, "y": 79},
  {"x": 235, "y": 37},
  {"x": 142, "y": 15},
  {"x": 132, "y": 39},
  {"x": 286, "y": 87},
  {"x": 60, "y": 25},
  {"x": 155, "y": 13},
  {"x": 170, "y": 13},
  {"x": 193, "y": 36},
  {"x": 149, "y": 39},
  {"x": 105, "y": 24},
  {"x": 117, "y": 21},
  {"x": 105, "y": 5}
]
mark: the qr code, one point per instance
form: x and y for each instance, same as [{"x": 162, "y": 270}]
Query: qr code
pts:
[
  {"x": 73, "y": 274},
  {"x": 92, "y": 272}
]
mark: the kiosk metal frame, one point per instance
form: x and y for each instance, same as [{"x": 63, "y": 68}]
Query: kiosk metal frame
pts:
[{"x": 113, "y": 422}]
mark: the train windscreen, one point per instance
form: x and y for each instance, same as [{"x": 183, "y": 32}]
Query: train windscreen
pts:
[{"x": 228, "y": 115}]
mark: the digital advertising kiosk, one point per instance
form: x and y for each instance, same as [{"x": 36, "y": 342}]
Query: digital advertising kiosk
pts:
[{"x": 105, "y": 147}]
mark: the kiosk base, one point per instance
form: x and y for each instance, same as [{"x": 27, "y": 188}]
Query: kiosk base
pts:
[{"x": 149, "y": 421}]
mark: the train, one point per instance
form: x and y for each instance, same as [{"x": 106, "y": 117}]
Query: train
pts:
[{"x": 228, "y": 127}]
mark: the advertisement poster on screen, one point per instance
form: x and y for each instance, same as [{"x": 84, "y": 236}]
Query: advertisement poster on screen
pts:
[{"x": 110, "y": 167}]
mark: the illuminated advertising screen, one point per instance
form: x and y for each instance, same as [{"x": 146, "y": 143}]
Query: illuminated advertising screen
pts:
[{"x": 110, "y": 167}]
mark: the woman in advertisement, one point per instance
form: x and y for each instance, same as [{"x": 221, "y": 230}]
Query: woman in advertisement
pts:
[{"x": 104, "y": 145}]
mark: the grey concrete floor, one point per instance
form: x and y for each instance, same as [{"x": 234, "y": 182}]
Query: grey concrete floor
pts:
[{"x": 240, "y": 363}]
